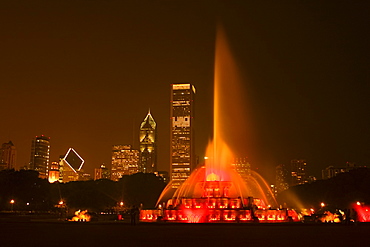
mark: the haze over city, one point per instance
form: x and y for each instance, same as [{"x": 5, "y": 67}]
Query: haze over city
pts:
[{"x": 85, "y": 73}]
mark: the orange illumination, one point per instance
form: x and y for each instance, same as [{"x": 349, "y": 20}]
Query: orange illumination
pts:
[
  {"x": 213, "y": 177},
  {"x": 81, "y": 216},
  {"x": 329, "y": 217}
]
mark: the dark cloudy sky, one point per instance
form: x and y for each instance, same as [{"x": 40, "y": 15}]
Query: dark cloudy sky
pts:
[{"x": 85, "y": 73}]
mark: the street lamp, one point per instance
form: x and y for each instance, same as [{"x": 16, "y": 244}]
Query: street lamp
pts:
[
  {"x": 322, "y": 204},
  {"x": 12, "y": 203}
]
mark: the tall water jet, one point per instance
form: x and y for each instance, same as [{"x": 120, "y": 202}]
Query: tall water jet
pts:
[
  {"x": 215, "y": 192},
  {"x": 228, "y": 123},
  {"x": 227, "y": 105}
]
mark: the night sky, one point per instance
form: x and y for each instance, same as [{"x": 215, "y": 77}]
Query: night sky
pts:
[{"x": 85, "y": 74}]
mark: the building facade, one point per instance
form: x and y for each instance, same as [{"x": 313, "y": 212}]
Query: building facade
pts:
[
  {"x": 61, "y": 168},
  {"x": 163, "y": 175},
  {"x": 40, "y": 152},
  {"x": 148, "y": 145},
  {"x": 70, "y": 166},
  {"x": 8, "y": 156},
  {"x": 182, "y": 158},
  {"x": 125, "y": 161},
  {"x": 54, "y": 172},
  {"x": 242, "y": 167},
  {"x": 332, "y": 171},
  {"x": 101, "y": 173},
  {"x": 298, "y": 172},
  {"x": 281, "y": 178}
]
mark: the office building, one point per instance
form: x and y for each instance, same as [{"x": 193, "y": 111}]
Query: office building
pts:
[
  {"x": 125, "y": 161},
  {"x": 182, "y": 158},
  {"x": 242, "y": 167},
  {"x": 40, "y": 152},
  {"x": 54, "y": 172},
  {"x": 8, "y": 155},
  {"x": 281, "y": 178},
  {"x": 61, "y": 168},
  {"x": 71, "y": 166},
  {"x": 163, "y": 175},
  {"x": 102, "y": 173},
  {"x": 332, "y": 171},
  {"x": 148, "y": 145},
  {"x": 298, "y": 172}
]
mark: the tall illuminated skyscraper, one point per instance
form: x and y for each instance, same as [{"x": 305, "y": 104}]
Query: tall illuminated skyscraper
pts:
[
  {"x": 298, "y": 172},
  {"x": 40, "y": 152},
  {"x": 125, "y": 161},
  {"x": 182, "y": 123},
  {"x": 148, "y": 145},
  {"x": 8, "y": 155}
]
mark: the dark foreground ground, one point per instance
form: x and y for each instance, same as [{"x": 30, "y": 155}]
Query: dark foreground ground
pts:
[{"x": 42, "y": 232}]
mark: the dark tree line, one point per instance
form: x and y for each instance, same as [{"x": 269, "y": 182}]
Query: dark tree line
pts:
[
  {"x": 338, "y": 192},
  {"x": 31, "y": 193}
]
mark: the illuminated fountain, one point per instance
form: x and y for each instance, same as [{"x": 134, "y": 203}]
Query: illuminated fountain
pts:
[
  {"x": 362, "y": 211},
  {"x": 215, "y": 192},
  {"x": 81, "y": 216}
]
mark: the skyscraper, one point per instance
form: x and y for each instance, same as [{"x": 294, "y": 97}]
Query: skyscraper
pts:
[
  {"x": 101, "y": 173},
  {"x": 298, "y": 172},
  {"x": 71, "y": 166},
  {"x": 242, "y": 167},
  {"x": 182, "y": 141},
  {"x": 40, "y": 152},
  {"x": 125, "y": 161},
  {"x": 61, "y": 168},
  {"x": 148, "y": 145},
  {"x": 8, "y": 155},
  {"x": 281, "y": 178}
]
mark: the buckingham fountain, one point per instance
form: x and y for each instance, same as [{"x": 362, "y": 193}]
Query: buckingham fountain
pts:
[{"x": 215, "y": 192}]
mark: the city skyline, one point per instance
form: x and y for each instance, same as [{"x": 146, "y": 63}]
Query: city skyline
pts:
[{"x": 87, "y": 76}]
